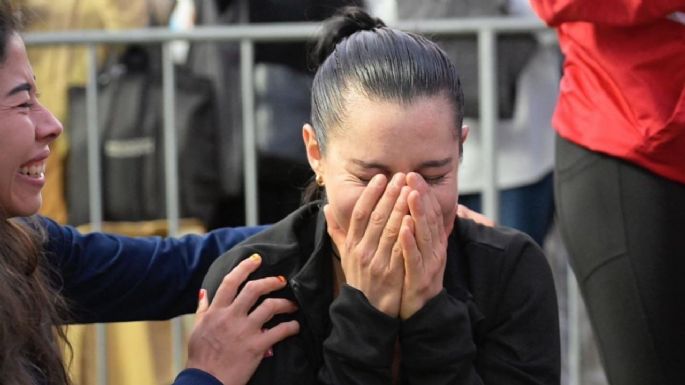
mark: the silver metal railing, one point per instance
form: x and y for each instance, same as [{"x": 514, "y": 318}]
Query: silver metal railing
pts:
[{"x": 486, "y": 30}]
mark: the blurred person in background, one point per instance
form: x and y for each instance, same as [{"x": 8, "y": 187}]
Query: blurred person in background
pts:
[
  {"x": 528, "y": 73},
  {"x": 620, "y": 177},
  {"x": 282, "y": 81}
]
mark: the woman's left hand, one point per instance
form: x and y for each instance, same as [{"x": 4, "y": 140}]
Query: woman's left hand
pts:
[
  {"x": 229, "y": 339},
  {"x": 423, "y": 238}
]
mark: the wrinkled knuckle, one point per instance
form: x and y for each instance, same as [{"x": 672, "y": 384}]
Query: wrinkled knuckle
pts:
[
  {"x": 270, "y": 305},
  {"x": 359, "y": 214},
  {"x": 253, "y": 350},
  {"x": 228, "y": 280},
  {"x": 432, "y": 220},
  {"x": 365, "y": 257},
  {"x": 349, "y": 244},
  {"x": 376, "y": 270},
  {"x": 377, "y": 218},
  {"x": 251, "y": 286},
  {"x": 391, "y": 232}
]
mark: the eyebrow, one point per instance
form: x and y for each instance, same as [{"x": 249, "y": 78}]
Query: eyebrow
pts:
[
  {"x": 428, "y": 164},
  {"x": 20, "y": 88}
]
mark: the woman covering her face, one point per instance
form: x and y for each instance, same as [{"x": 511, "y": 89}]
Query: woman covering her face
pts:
[{"x": 391, "y": 286}]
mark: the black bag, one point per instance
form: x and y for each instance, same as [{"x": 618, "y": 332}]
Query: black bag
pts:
[{"x": 131, "y": 134}]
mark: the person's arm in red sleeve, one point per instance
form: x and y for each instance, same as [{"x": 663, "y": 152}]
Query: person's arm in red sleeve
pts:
[{"x": 609, "y": 12}]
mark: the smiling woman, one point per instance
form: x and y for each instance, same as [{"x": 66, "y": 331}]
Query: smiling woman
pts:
[
  {"x": 104, "y": 277},
  {"x": 30, "y": 306},
  {"x": 27, "y": 131},
  {"x": 390, "y": 285}
]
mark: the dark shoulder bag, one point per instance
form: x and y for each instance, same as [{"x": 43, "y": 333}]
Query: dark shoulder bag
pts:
[{"x": 131, "y": 134}]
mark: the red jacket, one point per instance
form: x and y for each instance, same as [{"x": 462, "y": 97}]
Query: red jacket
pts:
[{"x": 623, "y": 89}]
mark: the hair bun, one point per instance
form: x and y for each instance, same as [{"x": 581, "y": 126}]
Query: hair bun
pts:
[{"x": 344, "y": 23}]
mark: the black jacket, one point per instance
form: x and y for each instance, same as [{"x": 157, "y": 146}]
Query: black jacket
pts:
[{"x": 496, "y": 322}]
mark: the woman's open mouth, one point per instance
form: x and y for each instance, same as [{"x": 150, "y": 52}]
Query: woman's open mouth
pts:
[{"x": 33, "y": 170}]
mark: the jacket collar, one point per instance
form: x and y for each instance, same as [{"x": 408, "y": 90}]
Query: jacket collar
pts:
[{"x": 312, "y": 286}]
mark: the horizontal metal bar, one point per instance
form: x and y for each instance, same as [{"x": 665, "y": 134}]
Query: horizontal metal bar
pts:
[{"x": 275, "y": 32}]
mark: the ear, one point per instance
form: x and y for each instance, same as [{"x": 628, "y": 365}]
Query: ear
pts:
[
  {"x": 464, "y": 133},
  {"x": 311, "y": 145}
]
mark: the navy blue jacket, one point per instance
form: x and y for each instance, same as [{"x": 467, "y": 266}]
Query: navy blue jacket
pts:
[{"x": 109, "y": 278}]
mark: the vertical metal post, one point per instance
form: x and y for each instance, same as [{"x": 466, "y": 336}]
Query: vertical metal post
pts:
[
  {"x": 573, "y": 317},
  {"x": 93, "y": 137},
  {"x": 249, "y": 137},
  {"x": 171, "y": 183},
  {"x": 487, "y": 84},
  {"x": 95, "y": 192}
]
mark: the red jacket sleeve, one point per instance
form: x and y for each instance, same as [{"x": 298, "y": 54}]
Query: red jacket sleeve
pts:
[{"x": 609, "y": 12}]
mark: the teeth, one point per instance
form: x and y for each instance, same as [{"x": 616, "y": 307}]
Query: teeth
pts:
[{"x": 34, "y": 170}]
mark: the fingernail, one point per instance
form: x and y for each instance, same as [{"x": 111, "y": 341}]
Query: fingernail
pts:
[
  {"x": 281, "y": 278},
  {"x": 256, "y": 257},
  {"x": 201, "y": 294}
]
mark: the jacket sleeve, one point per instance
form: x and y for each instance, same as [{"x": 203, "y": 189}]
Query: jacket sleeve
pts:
[
  {"x": 437, "y": 344},
  {"x": 195, "y": 377},
  {"x": 360, "y": 347},
  {"x": 108, "y": 278},
  {"x": 519, "y": 345},
  {"x": 609, "y": 12}
]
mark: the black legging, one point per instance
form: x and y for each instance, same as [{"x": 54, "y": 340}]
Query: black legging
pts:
[{"x": 624, "y": 228}]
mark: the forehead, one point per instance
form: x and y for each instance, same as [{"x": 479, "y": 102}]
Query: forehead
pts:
[
  {"x": 420, "y": 130},
  {"x": 15, "y": 69}
]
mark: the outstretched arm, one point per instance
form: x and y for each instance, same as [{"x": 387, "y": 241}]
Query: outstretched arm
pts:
[{"x": 108, "y": 278}]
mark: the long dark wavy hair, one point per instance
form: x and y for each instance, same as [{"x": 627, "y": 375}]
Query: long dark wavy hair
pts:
[{"x": 30, "y": 307}]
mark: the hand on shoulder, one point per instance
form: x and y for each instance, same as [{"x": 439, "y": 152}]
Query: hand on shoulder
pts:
[{"x": 228, "y": 340}]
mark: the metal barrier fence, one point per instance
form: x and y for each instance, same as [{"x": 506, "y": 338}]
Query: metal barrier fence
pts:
[{"x": 486, "y": 30}]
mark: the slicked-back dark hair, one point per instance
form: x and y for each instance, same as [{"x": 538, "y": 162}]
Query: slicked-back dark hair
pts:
[{"x": 359, "y": 53}]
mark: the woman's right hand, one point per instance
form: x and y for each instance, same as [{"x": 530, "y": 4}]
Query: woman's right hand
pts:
[
  {"x": 370, "y": 254},
  {"x": 228, "y": 340}
]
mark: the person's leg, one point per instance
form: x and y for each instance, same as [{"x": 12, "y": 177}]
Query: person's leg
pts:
[
  {"x": 529, "y": 208},
  {"x": 623, "y": 228}
]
